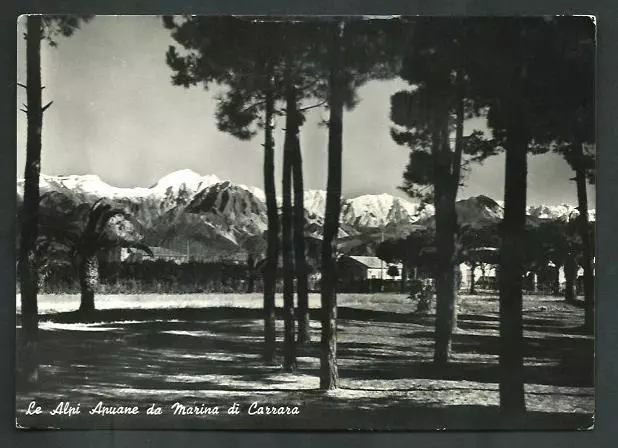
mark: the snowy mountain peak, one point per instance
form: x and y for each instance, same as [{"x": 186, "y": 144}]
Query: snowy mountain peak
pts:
[
  {"x": 562, "y": 211},
  {"x": 315, "y": 202},
  {"x": 255, "y": 191},
  {"x": 90, "y": 184},
  {"x": 188, "y": 178},
  {"x": 376, "y": 210}
]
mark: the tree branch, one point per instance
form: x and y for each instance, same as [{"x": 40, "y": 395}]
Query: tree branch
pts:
[
  {"x": 306, "y": 86},
  {"x": 46, "y": 106},
  {"x": 312, "y": 106},
  {"x": 251, "y": 106},
  {"x": 26, "y": 87}
]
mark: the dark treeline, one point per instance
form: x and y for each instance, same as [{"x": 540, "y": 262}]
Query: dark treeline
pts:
[{"x": 160, "y": 276}]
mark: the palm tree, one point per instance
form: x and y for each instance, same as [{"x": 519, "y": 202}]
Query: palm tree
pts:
[{"x": 87, "y": 242}]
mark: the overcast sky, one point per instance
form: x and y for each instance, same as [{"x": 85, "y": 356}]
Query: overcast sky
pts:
[{"x": 117, "y": 115}]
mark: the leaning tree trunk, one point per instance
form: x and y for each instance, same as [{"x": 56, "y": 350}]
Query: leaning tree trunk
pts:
[
  {"x": 272, "y": 251},
  {"x": 570, "y": 275},
  {"x": 88, "y": 281},
  {"x": 289, "y": 361},
  {"x": 302, "y": 288},
  {"x": 28, "y": 275},
  {"x": 329, "y": 375},
  {"x": 512, "y": 400},
  {"x": 584, "y": 232}
]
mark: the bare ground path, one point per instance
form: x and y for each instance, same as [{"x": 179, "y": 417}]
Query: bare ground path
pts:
[{"x": 166, "y": 349}]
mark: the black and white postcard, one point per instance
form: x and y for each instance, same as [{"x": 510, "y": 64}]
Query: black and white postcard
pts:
[{"x": 305, "y": 223}]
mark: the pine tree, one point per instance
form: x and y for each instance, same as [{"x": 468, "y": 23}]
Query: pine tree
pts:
[
  {"x": 39, "y": 28},
  {"x": 245, "y": 57},
  {"x": 258, "y": 62},
  {"x": 572, "y": 126},
  {"x": 514, "y": 70},
  {"x": 356, "y": 51},
  {"x": 436, "y": 66}
]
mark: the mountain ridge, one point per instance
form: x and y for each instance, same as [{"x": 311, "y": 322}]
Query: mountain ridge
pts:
[{"x": 219, "y": 215}]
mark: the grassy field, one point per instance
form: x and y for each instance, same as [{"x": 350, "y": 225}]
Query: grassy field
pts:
[
  {"x": 62, "y": 303},
  {"x": 204, "y": 350}
]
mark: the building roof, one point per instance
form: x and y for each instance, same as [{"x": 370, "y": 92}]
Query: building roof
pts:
[
  {"x": 370, "y": 262},
  {"x": 165, "y": 252}
]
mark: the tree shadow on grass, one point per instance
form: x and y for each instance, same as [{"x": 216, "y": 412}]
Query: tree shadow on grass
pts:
[
  {"x": 166, "y": 314},
  {"x": 569, "y": 361},
  {"x": 220, "y": 313},
  {"x": 234, "y": 331},
  {"x": 189, "y": 351},
  {"x": 477, "y": 317}
]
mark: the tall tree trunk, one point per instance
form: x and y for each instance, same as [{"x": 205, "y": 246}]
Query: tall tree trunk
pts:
[
  {"x": 88, "y": 281},
  {"x": 472, "y": 279},
  {"x": 289, "y": 361},
  {"x": 556, "y": 281},
  {"x": 445, "y": 276},
  {"x": 512, "y": 250},
  {"x": 329, "y": 375},
  {"x": 570, "y": 275},
  {"x": 402, "y": 288},
  {"x": 512, "y": 400},
  {"x": 272, "y": 251},
  {"x": 302, "y": 287},
  {"x": 28, "y": 275},
  {"x": 250, "y": 274},
  {"x": 447, "y": 176},
  {"x": 456, "y": 178},
  {"x": 584, "y": 232}
]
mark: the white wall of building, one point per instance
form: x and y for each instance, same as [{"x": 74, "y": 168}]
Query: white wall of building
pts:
[
  {"x": 486, "y": 270},
  {"x": 382, "y": 273}
]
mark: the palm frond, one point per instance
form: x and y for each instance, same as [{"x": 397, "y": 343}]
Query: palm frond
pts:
[
  {"x": 61, "y": 235},
  {"x": 110, "y": 244},
  {"x": 137, "y": 245},
  {"x": 96, "y": 211},
  {"x": 108, "y": 215}
]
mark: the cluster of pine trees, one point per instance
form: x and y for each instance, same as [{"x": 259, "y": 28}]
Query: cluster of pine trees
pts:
[{"x": 532, "y": 78}]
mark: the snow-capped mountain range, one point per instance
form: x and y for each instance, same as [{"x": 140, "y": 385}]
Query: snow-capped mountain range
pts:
[{"x": 217, "y": 216}]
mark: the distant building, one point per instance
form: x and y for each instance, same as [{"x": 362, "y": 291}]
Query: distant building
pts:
[
  {"x": 352, "y": 269},
  {"x": 160, "y": 253},
  {"x": 484, "y": 276}
]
